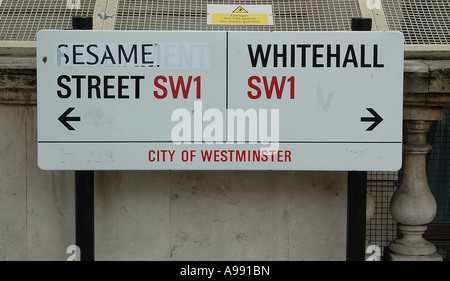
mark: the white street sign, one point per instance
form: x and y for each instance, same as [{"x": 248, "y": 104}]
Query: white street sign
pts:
[{"x": 157, "y": 100}]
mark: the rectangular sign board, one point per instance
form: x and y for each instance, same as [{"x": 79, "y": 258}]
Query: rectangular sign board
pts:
[{"x": 218, "y": 100}]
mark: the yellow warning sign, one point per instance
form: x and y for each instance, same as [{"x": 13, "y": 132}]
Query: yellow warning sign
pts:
[
  {"x": 240, "y": 10},
  {"x": 240, "y": 14},
  {"x": 240, "y": 19}
]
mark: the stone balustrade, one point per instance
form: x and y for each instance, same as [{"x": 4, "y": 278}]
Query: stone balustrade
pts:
[{"x": 426, "y": 91}]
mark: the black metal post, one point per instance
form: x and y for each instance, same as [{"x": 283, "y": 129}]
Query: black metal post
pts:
[
  {"x": 84, "y": 214},
  {"x": 361, "y": 24},
  {"x": 84, "y": 188},
  {"x": 356, "y": 215},
  {"x": 357, "y": 190}
]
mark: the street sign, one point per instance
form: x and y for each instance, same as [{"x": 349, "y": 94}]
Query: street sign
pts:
[{"x": 157, "y": 100}]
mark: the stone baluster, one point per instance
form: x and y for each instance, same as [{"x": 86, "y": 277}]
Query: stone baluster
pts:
[{"x": 413, "y": 205}]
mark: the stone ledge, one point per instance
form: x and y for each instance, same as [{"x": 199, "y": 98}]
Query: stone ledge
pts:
[
  {"x": 18, "y": 80},
  {"x": 436, "y": 72},
  {"x": 439, "y": 76},
  {"x": 17, "y": 63},
  {"x": 427, "y": 82},
  {"x": 431, "y": 76},
  {"x": 416, "y": 77},
  {"x": 17, "y": 73}
]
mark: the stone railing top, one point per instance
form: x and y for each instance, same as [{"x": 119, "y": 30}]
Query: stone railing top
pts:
[
  {"x": 427, "y": 82},
  {"x": 18, "y": 80}
]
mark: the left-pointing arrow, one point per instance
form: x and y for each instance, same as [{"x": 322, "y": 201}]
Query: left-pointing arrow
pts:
[{"x": 64, "y": 118}]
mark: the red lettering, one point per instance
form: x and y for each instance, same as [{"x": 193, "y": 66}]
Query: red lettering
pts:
[
  {"x": 216, "y": 155},
  {"x": 292, "y": 84},
  {"x": 177, "y": 85},
  {"x": 199, "y": 83},
  {"x": 271, "y": 85},
  {"x": 180, "y": 84},
  {"x": 264, "y": 156},
  {"x": 280, "y": 157},
  {"x": 287, "y": 154},
  {"x": 224, "y": 155},
  {"x": 274, "y": 84},
  {"x": 151, "y": 158},
  {"x": 206, "y": 155},
  {"x": 240, "y": 156},
  {"x": 254, "y": 87},
  {"x": 160, "y": 86},
  {"x": 184, "y": 156}
]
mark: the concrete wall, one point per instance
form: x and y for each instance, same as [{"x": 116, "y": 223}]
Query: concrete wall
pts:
[
  {"x": 162, "y": 215},
  {"x": 221, "y": 215}
]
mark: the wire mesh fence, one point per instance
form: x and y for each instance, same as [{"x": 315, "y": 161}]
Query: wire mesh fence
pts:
[
  {"x": 381, "y": 228},
  {"x": 21, "y": 20},
  {"x": 421, "y": 21},
  {"x": 319, "y": 15},
  {"x": 438, "y": 172}
]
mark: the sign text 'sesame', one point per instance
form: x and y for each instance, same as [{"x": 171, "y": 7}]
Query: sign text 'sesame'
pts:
[{"x": 164, "y": 55}]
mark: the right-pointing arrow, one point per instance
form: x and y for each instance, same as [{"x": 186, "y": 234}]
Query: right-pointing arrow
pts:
[
  {"x": 376, "y": 119},
  {"x": 64, "y": 118}
]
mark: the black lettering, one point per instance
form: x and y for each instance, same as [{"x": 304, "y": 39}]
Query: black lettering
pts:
[
  {"x": 137, "y": 85},
  {"x": 317, "y": 55},
  {"x": 350, "y": 57},
  {"x": 259, "y": 54},
  {"x": 145, "y": 53},
  {"x": 75, "y": 54},
  {"x": 108, "y": 56},
  {"x": 363, "y": 57},
  {"x": 292, "y": 55},
  {"x": 277, "y": 55},
  {"x": 92, "y": 54},
  {"x": 92, "y": 86},
  {"x": 336, "y": 55},
  {"x": 78, "y": 79},
  {"x": 375, "y": 57},
  {"x": 303, "y": 48},
  {"x": 107, "y": 86},
  {"x": 120, "y": 87},
  {"x": 64, "y": 86},
  {"x": 133, "y": 53}
]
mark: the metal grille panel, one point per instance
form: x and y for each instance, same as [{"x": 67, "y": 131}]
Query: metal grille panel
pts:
[
  {"x": 438, "y": 173},
  {"x": 21, "y": 20},
  {"x": 381, "y": 228},
  {"x": 421, "y": 21},
  {"x": 289, "y": 15}
]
